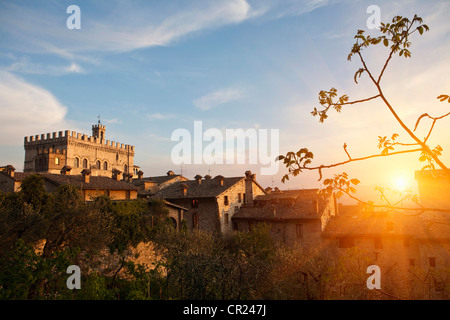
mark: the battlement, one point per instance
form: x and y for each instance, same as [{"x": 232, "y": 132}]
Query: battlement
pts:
[{"x": 72, "y": 135}]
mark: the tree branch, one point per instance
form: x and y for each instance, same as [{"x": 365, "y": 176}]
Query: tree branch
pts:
[{"x": 356, "y": 159}]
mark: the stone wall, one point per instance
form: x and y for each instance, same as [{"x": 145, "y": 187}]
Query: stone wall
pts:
[{"x": 78, "y": 146}]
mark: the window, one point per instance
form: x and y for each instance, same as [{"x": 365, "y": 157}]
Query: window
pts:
[
  {"x": 194, "y": 203},
  {"x": 239, "y": 197},
  {"x": 235, "y": 226},
  {"x": 378, "y": 242},
  {"x": 299, "y": 230},
  {"x": 57, "y": 161},
  {"x": 76, "y": 162},
  {"x": 346, "y": 242},
  {"x": 432, "y": 262},
  {"x": 98, "y": 165},
  {"x": 85, "y": 163},
  {"x": 226, "y": 218},
  {"x": 36, "y": 163},
  {"x": 225, "y": 200},
  {"x": 406, "y": 242},
  {"x": 195, "y": 220},
  {"x": 105, "y": 166},
  {"x": 125, "y": 168}
]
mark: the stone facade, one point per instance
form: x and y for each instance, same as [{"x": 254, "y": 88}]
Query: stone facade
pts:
[
  {"x": 410, "y": 250},
  {"x": 294, "y": 216},
  {"x": 51, "y": 152},
  {"x": 212, "y": 202}
]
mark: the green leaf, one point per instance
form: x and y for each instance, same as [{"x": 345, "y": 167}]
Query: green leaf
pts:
[{"x": 420, "y": 29}]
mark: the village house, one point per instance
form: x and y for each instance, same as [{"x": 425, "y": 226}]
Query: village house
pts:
[
  {"x": 400, "y": 244},
  {"x": 90, "y": 186},
  {"x": 294, "y": 216},
  {"x": 212, "y": 202}
]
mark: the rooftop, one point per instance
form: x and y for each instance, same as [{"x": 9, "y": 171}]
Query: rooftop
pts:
[
  {"x": 95, "y": 182},
  {"x": 207, "y": 188}
]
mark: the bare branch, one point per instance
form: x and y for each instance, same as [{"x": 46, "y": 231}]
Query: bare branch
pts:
[{"x": 358, "y": 159}]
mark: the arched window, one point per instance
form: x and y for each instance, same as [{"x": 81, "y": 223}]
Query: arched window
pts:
[
  {"x": 125, "y": 168},
  {"x": 76, "y": 162},
  {"x": 57, "y": 161},
  {"x": 105, "y": 165},
  {"x": 85, "y": 163},
  {"x": 98, "y": 165}
]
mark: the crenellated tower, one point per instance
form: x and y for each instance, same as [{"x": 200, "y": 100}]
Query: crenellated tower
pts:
[{"x": 51, "y": 152}]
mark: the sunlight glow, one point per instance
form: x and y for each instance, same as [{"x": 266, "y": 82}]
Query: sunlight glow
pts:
[{"x": 401, "y": 183}]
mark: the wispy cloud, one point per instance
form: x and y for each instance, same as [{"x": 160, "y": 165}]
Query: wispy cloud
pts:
[
  {"x": 159, "y": 116},
  {"x": 216, "y": 98},
  {"x": 23, "y": 65},
  {"x": 26, "y": 109},
  {"x": 142, "y": 28},
  {"x": 112, "y": 121}
]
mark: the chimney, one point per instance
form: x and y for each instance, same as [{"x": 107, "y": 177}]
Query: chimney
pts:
[
  {"x": 248, "y": 188},
  {"x": 86, "y": 173},
  {"x": 268, "y": 190},
  {"x": 198, "y": 178},
  {"x": 220, "y": 179},
  {"x": 184, "y": 188},
  {"x": 140, "y": 175},
  {"x": 66, "y": 170},
  {"x": 170, "y": 173},
  {"x": 10, "y": 170},
  {"x": 207, "y": 177},
  {"x": 116, "y": 174}
]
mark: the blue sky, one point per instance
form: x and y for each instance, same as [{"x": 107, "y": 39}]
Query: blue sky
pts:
[{"x": 150, "y": 67}]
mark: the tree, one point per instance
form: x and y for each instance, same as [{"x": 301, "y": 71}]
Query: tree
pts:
[{"x": 395, "y": 36}]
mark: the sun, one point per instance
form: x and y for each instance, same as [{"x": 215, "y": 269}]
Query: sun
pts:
[{"x": 401, "y": 183}]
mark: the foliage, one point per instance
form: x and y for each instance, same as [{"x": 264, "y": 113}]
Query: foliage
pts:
[{"x": 395, "y": 36}]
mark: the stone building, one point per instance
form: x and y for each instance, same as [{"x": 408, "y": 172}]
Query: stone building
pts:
[
  {"x": 51, "y": 152},
  {"x": 434, "y": 192},
  {"x": 410, "y": 250},
  {"x": 294, "y": 216},
  {"x": 90, "y": 186},
  {"x": 212, "y": 202}
]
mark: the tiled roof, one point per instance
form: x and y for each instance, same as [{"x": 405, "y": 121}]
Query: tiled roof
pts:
[
  {"x": 388, "y": 224},
  {"x": 95, "y": 182},
  {"x": 288, "y": 194},
  {"x": 206, "y": 189},
  {"x": 157, "y": 179},
  {"x": 300, "y": 204}
]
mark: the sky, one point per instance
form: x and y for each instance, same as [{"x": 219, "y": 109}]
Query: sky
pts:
[{"x": 149, "y": 68}]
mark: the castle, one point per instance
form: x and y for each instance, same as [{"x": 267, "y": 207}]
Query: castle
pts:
[{"x": 50, "y": 153}]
